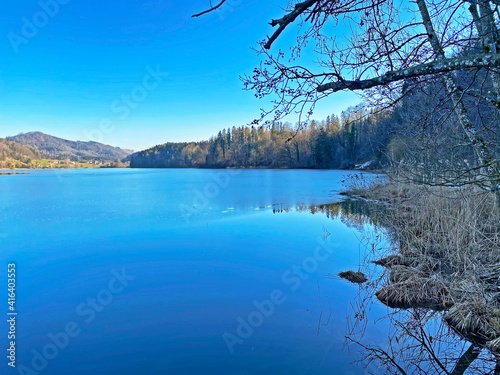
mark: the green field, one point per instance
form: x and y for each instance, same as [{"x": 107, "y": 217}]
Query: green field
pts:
[{"x": 54, "y": 164}]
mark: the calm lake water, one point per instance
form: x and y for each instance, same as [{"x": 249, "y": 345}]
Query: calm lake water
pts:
[{"x": 177, "y": 271}]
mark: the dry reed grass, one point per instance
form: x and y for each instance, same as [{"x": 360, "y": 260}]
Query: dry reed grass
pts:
[{"x": 446, "y": 255}]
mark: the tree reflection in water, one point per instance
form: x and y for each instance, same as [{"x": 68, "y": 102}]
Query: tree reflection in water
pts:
[{"x": 421, "y": 338}]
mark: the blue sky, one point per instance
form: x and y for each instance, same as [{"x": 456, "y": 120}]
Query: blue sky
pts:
[{"x": 84, "y": 71}]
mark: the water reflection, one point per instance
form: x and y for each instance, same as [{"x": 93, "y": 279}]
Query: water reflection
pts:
[
  {"x": 196, "y": 277},
  {"x": 419, "y": 339},
  {"x": 352, "y": 212}
]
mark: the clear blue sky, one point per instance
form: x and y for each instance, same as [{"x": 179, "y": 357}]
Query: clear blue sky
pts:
[{"x": 71, "y": 75}]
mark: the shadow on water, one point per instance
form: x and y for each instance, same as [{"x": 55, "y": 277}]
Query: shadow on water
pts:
[{"x": 419, "y": 339}]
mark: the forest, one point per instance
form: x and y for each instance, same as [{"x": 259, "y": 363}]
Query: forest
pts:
[
  {"x": 429, "y": 74},
  {"x": 16, "y": 152},
  {"x": 360, "y": 135}
]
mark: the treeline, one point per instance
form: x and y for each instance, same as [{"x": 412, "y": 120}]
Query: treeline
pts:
[
  {"x": 419, "y": 135},
  {"x": 14, "y": 155},
  {"x": 50, "y": 147},
  {"x": 358, "y": 136}
]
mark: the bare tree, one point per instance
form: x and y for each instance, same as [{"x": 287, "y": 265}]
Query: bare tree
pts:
[{"x": 381, "y": 48}]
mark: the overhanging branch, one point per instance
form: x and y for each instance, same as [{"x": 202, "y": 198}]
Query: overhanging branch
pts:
[
  {"x": 209, "y": 10},
  {"x": 434, "y": 67},
  {"x": 288, "y": 19}
]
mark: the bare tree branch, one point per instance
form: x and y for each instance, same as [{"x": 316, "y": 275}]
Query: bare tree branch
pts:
[
  {"x": 209, "y": 10},
  {"x": 434, "y": 67},
  {"x": 288, "y": 19}
]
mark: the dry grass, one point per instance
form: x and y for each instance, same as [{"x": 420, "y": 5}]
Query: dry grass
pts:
[
  {"x": 416, "y": 292},
  {"x": 446, "y": 256}
]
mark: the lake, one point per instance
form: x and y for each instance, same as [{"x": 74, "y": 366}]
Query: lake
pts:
[{"x": 185, "y": 271}]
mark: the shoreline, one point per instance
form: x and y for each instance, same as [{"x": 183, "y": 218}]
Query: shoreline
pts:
[
  {"x": 443, "y": 257},
  {"x": 212, "y": 168}
]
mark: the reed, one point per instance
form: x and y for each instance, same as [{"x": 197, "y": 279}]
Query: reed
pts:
[{"x": 445, "y": 255}]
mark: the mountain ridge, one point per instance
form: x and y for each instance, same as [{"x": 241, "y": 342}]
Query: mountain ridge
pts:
[{"x": 52, "y": 147}]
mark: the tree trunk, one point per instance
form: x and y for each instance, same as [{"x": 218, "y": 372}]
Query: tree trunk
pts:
[
  {"x": 465, "y": 361},
  {"x": 480, "y": 146}
]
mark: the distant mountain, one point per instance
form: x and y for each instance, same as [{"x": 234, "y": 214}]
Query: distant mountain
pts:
[
  {"x": 14, "y": 151},
  {"x": 51, "y": 147}
]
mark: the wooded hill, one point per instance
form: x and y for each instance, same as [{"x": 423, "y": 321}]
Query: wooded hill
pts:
[
  {"x": 12, "y": 151},
  {"x": 51, "y": 147},
  {"x": 356, "y": 137}
]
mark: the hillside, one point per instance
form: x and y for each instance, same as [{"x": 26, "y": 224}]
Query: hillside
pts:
[
  {"x": 168, "y": 155},
  {"x": 51, "y": 147},
  {"x": 357, "y": 137},
  {"x": 12, "y": 151}
]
